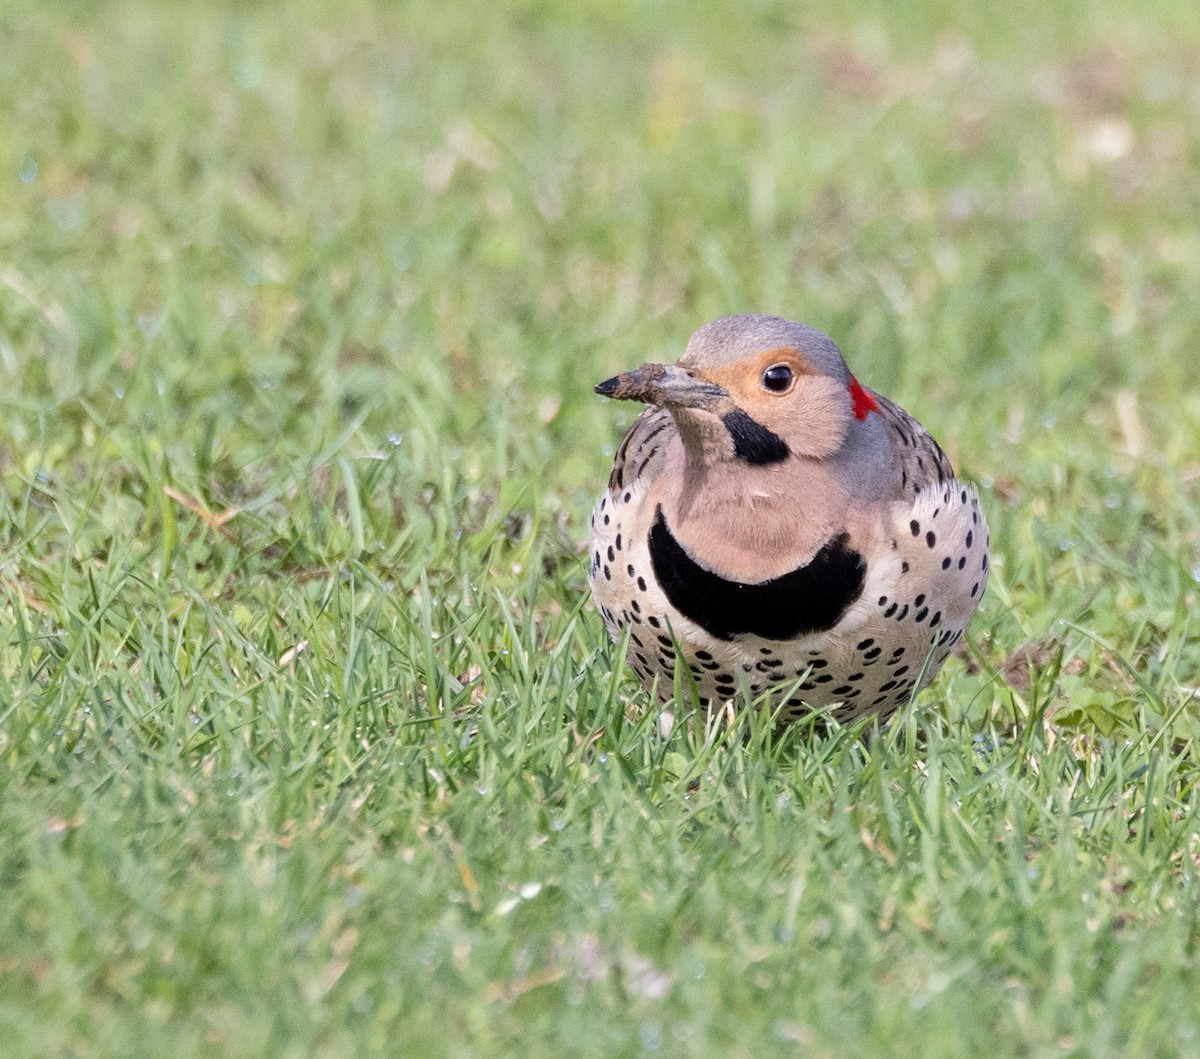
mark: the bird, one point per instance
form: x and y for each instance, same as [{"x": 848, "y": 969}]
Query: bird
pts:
[{"x": 773, "y": 529}]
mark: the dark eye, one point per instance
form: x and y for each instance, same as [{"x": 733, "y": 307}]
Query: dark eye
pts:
[{"x": 777, "y": 378}]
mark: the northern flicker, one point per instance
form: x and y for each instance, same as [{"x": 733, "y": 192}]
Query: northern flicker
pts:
[{"x": 773, "y": 527}]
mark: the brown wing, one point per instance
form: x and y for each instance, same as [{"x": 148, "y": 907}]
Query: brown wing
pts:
[
  {"x": 642, "y": 448},
  {"x": 919, "y": 458}
]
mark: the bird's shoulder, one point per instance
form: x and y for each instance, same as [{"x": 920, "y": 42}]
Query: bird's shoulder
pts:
[
  {"x": 919, "y": 459},
  {"x": 642, "y": 450}
]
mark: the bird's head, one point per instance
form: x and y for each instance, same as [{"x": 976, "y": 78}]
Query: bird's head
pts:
[{"x": 754, "y": 388}]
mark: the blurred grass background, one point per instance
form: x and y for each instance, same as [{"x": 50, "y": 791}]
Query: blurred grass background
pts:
[{"x": 311, "y": 744}]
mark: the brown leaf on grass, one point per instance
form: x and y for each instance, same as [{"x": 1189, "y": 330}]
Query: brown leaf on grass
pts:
[
  {"x": 1018, "y": 667},
  {"x": 511, "y": 990},
  {"x": 214, "y": 520},
  {"x": 290, "y": 654},
  {"x": 57, "y": 825}
]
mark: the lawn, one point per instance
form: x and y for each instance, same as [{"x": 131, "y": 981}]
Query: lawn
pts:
[{"x": 311, "y": 743}]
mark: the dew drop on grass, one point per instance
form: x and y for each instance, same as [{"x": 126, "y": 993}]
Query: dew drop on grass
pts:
[
  {"x": 651, "y": 1036},
  {"x": 27, "y": 170},
  {"x": 1196, "y": 573},
  {"x": 394, "y": 438}
]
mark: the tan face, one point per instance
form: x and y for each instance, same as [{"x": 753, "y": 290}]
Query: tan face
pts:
[{"x": 780, "y": 389}]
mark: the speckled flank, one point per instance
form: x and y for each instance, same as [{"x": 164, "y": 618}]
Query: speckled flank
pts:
[{"x": 872, "y": 664}]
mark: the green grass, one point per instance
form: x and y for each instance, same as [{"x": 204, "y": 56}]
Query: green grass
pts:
[{"x": 310, "y": 742}]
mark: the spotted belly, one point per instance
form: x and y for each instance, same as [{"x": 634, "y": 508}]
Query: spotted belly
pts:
[{"x": 882, "y": 647}]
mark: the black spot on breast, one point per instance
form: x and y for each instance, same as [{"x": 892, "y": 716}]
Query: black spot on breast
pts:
[
  {"x": 753, "y": 442},
  {"x": 811, "y": 598}
]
